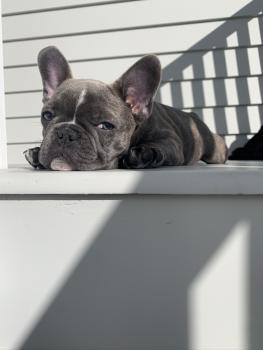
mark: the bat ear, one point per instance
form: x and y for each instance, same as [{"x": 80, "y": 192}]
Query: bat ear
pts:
[
  {"x": 138, "y": 85},
  {"x": 54, "y": 69}
]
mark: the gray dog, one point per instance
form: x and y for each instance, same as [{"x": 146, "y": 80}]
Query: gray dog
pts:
[{"x": 90, "y": 125}]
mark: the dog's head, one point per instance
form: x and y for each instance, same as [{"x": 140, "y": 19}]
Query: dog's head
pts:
[{"x": 88, "y": 124}]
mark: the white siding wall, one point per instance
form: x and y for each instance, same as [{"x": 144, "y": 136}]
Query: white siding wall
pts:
[
  {"x": 3, "y": 141},
  {"x": 211, "y": 54}
]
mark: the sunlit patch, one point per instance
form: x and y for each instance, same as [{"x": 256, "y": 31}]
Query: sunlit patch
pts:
[
  {"x": 231, "y": 62},
  {"x": 254, "y": 90},
  {"x": 232, "y": 120},
  {"x": 254, "y": 31},
  {"x": 218, "y": 296},
  {"x": 209, "y": 93},
  {"x": 209, "y": 65},
  {"x": 254, "y": 118},
  {"x": 187, "y": 94},
  {"x": 209, "y": 118},
  {"x": 166, "y": 94},
  {"x": 254, "y": 60},
  {"x": 231, "y": 92},
  {"x": 188, "y": 72},
  {"x": 232, "y": 40}
]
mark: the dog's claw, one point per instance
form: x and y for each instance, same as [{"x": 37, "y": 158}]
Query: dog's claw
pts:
[{"x": 31, "y": 156}]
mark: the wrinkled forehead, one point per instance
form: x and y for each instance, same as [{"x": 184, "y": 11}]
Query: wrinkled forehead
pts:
[{"x": 77, "y": 94}]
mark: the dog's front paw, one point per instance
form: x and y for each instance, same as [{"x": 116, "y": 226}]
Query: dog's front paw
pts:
[
  {"x": 143, "y": 156},
  {"x": 31, "y": 156}
]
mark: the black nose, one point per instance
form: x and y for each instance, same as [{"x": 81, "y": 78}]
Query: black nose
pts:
[{"x": 67, "y": 135}]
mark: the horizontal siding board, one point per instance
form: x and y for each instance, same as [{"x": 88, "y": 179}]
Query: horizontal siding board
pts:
[
  {"x": 223, "y": 120},
  {"x": 23, "y": 104},
  {"x": 33, "y": 5},
  {"x": 24, "y": 130},
  {"x": 114, "y": 16},
  {"x": 168, "y": 39},
  {"x": 222, "y": 8},
  {"x": 108, "y": 71},
  {"x": 232, "y": 120},
  {"x": 214, "y": 92},
  {"x": 15, "y": 153},
  {"x": 210, "y": 93}
]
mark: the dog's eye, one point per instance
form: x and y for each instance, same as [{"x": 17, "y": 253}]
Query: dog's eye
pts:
[
  {"x": 47, "y": 115},
  {"x": 105, "y": 126}
]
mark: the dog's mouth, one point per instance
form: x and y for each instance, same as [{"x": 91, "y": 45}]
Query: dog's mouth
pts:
[{"x": 60, "y": 164}]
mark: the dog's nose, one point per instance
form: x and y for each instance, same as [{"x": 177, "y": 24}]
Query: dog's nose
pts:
[{"x": 67, "y": 135}]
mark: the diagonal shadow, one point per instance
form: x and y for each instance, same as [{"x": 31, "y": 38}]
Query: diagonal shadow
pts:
[
  {"x": 216, "y": 44},
  {"x": 129, "y": 290}
]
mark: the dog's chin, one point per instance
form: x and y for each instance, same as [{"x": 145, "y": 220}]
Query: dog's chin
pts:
[{"x": 60, "y": 164}]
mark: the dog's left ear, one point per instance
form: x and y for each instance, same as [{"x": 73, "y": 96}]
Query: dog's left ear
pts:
[
  {"x": 54, "y": 69},
  {"x": 139, "y": 84}
]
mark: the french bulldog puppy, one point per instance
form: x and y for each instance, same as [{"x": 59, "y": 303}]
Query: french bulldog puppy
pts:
[{"x": 90, "y": 125}]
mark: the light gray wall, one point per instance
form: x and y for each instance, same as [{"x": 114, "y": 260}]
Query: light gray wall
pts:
[{"x": 211, "y": 53}]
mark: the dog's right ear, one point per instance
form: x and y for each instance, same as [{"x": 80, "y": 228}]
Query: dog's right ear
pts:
[
  {"x": 54, "y": 69},
  {"x": 138, "y": 86}
]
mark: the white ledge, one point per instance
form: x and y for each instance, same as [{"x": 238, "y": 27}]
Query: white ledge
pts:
[{"x": 234, "y": 178}]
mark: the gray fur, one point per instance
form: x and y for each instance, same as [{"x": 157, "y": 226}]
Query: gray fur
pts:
[{"x": 146, "y": 134}]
